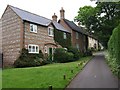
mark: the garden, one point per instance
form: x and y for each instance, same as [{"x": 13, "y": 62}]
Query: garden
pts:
[
  {"x": 58, "y": 75},
  {"x": 39, "y": 71}
]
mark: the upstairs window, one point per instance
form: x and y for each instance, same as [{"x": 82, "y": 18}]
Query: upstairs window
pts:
[
  {"x": 77, "y": 35},
  {"x": 64, "y": 35},
  {"x": 33, "y": 48},
  {"x": 33, "y": 28},
  {"x": 50, "y": 31}
]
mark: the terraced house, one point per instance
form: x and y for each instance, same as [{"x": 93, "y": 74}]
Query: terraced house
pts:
[
  {"x": 22, "y": 29},
  {"x": 78, "y": 38}
]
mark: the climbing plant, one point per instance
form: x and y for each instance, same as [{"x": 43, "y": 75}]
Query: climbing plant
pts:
[{"x": 58, "y": 37}]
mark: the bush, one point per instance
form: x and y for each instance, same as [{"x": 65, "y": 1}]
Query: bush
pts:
[
  {"x": 62, "y": 56},
  {"x": 75, "y": 52},
  {"x": 28, "y": 60},
  {"x": 114, "y": 50},
  {"x": 48, "y": 59},
  {"x": 88, "y": 53}
]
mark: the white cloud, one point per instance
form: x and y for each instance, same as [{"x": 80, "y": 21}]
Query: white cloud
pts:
[{"x": 47, "y": 8}]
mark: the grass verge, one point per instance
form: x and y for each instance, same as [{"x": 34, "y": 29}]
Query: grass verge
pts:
[
  {"x": 43, "y": 76},
  {"x": 0, "y": 78},
  {"x": 112, "y": 64}
]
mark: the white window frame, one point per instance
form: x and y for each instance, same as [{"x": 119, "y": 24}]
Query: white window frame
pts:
[
  {"x": 50, "y": 31},
  {"x": 31, "y": 50},
  {"x": 64, "y": 35},
  {"x": 77, "y": 35},
  {"x": 34, "y": 28}
]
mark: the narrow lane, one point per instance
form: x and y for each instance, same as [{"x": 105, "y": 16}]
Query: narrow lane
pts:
[{"x": 96, "y": 74}]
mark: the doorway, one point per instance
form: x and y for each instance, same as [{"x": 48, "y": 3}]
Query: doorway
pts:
[{"x": 51, "y": 54}]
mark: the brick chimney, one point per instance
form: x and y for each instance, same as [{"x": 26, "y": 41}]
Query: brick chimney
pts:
[
  {"x": 54, "y": 17},
  {"x": 62, "y": 13}
]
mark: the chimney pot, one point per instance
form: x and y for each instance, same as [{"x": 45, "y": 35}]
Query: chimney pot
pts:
[{"x": 54, "y": 17}]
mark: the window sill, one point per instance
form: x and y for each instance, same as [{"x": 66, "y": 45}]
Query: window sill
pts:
[
  {"x": 33, "y": 32},
  {"x": 33, "y": 52},
  {"x": 51, "y": 35}
]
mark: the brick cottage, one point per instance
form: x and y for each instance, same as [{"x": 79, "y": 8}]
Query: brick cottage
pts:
[{"x": 23, "y": 29}]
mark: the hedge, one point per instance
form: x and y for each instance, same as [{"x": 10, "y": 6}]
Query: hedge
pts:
[
  {"x": 62, "y": 56},
  {"x": 75, "y": 51},
  {"x": 114, "y": 51}
]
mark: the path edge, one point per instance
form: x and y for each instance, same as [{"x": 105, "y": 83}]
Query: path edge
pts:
[{"x": 78, "y": 72}]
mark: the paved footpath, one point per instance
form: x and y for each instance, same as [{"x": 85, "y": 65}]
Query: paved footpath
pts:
[{"x": 96, "y": 74}]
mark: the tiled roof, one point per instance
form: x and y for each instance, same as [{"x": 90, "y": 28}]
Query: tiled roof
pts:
[
  {"x": 73, "y": 26},
  {"x": 31, "y": 17},
  {"x": 25, "y": 15},
  {"x": 59, "y": 27}
]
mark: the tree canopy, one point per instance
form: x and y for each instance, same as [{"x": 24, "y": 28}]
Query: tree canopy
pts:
[{"x": 101, "y": 19}]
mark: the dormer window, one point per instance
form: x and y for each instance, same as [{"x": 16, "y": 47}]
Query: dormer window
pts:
[
  {"x": 50, "y": 31},
  {"x": 33, "y": 28}
]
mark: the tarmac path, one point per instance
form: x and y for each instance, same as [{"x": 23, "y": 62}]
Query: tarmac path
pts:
[{"x": 96, "y": 74}]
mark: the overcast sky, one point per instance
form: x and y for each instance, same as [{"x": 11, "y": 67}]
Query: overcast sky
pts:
[{"x": 47, "y": 8}]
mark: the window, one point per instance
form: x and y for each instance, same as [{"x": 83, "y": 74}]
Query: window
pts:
[
  {"x": 77, "y": 35},
  {"x": 64, "y": 35},
  {"x": 50, "y": 31},
  {"x": 77, "y": 46},
  {"x": 33, "y": 28},
  {"x": 33, "y": 48}
]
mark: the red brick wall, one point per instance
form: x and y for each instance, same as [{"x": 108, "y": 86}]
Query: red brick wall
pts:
[
  {"x": 74, "y": 41},
  {"x": 40, "y": 38},
  {"x": 11, "y": 36}
]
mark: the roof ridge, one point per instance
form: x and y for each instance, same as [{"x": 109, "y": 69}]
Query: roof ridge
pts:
[
  {"x": 73, "y": 26},
  {"x": 28, "y": 12},
  {"x": 69, "y": 20},
  {"x": 59, "y": 26}
]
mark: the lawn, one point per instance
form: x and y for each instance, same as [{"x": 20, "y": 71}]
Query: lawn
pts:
[{"x": 43, "y": 76}]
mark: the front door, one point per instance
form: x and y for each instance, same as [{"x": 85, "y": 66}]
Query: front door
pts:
[{"x": 50, "y": 53}]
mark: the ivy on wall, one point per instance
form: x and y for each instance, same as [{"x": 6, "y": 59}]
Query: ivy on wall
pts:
[{"x": 58, "y": 37}]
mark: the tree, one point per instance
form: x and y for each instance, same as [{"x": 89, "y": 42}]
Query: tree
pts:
[
  {"x": 84, "y": 14},
  {"x": 101, "y": 19}
]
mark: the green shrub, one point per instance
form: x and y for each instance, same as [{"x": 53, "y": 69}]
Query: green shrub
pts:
[
  {"x": 28, "y": 60},
  {"x": 75, "y": 52},
  {"x": 88, "y": 53},
  {"x": 48, "y": 59},
  {"x": 114, "y": 51},
  {"x": 62, "y": 56}
]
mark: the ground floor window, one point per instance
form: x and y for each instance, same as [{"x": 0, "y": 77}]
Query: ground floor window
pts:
[
  {"x": 77, "y": 46},
  {"x": 33, "y": 48}
]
